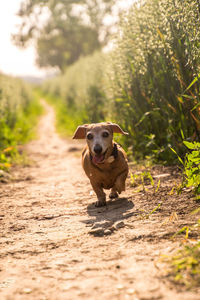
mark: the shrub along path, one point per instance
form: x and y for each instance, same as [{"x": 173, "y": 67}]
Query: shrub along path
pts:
[{"x": 55, "y": 244}]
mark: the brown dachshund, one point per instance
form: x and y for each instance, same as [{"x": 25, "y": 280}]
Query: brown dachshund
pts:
[{"x": 104, "y": 161}]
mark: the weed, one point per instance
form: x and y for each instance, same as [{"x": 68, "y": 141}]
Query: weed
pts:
[
  {"x": 142, "y": 179},
  {"x": 192, "y": 167},
  {"x": 154, "y": 210},
  {"x": 184, "y": 265}
]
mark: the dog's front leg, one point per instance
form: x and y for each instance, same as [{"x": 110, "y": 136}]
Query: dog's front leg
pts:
[
  {"x": 119, "y": 185},
  {"x": 101, "y": 196}
]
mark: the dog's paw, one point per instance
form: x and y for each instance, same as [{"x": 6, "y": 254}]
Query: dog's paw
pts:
[
  {"x": 113, "y": 195},
  {"x": 100, "y": 203}
]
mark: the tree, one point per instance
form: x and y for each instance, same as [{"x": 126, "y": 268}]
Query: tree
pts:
[{"x": 63, "y": 30}]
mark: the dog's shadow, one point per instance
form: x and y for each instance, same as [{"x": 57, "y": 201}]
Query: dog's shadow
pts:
[{"x": 103, "y": 219}]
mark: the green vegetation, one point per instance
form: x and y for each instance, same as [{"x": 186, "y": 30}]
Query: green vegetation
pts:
[
  {"x": 67, "y": 119},
  {"x": 149, "y": 83},
  {"x": 78, "y": 94},
  {"x": 185, "y": 263},
  {"x": 192, "y": 167},
  {"x": 18, "y": 115},
  {"x": 155, "y": 76}
]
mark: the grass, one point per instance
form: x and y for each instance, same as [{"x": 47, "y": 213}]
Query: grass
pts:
[
  {"x": 154, "y": 77},
  {"x": 184, "y": 264},
  {"x": 19, "y": 116}
]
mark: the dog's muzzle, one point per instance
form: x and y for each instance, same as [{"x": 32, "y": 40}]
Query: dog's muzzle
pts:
[{"x": 99, "y": 158}]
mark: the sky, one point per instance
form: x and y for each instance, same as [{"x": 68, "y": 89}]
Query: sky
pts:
[{"x": 13, "y": 60}]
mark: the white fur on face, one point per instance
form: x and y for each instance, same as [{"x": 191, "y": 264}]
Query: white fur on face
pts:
[{"x": 98, "y": 139}]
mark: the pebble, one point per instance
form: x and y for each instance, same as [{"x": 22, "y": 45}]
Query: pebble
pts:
[
  {"x": 119, "y": 224},
  {"x": 27, "y": 291},
  {"x": 4, "y": 177},
  {"x": 107, "y": 232},
  {"x": 5, "y": 174},
  {"x": 97, "y": 232},
  {"x": 103, "y": 224}
]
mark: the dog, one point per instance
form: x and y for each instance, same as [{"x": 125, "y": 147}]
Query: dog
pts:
[{"x": 104, "y": 161}]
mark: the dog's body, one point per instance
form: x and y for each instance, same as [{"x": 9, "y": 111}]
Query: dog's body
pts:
[{"x": 104, "y": 162}]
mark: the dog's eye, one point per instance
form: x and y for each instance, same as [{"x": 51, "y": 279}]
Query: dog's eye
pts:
[
  {"x": 89, "y": 136},
  {"x": 105, "y": 134}
]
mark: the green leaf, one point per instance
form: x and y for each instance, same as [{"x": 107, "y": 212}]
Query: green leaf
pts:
[
  {"x": 189, "y": 145},
  {"x": 192, "y": 83},
  {"x": 179, "y": 158},
  {"x": 198, "y": 104}
]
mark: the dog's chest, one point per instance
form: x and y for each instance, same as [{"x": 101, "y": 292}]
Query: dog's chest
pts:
[{"x": 105, "y": 177}]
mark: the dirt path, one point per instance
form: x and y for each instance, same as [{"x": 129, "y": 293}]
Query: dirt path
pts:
[{"x": 55, "y": 244}]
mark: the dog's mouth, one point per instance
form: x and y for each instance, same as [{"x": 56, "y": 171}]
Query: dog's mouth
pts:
[{"x": 99, "y": 158}]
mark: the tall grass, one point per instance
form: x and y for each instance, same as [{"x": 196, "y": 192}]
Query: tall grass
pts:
[
  {"x": 19, "y": 110},
  {"x": 149, "y": 83},
  {"x": 155, "y": 61}
]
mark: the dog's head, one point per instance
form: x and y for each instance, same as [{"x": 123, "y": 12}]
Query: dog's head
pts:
[{"x": 99, "y": 138}]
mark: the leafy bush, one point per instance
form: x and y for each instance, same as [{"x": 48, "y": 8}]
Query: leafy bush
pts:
[
  {"x": 18, "y": 114},
  {"x": 192, "y": 166}
]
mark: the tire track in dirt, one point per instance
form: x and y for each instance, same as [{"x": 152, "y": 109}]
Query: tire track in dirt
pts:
[{"x": 55, "y": 244}]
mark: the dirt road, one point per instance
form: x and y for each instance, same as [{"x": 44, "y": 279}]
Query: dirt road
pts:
[{"x": 55, "y": 244}]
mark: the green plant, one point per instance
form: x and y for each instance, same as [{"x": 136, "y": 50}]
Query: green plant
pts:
[
  {"x": 185, "y": 263},
  {"x": 19, "y": 111},
  {"x": 154, "y": 76},
  {"x": 192, "y": 166},
  {"x": 142, "y": 178},
  {"x": 154, "y": 210},
  {"x": 148, "y": 83}
]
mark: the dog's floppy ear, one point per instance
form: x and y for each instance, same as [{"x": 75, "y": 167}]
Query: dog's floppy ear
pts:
[
  {"x": 80, "y": 132},
  {"x": 116, "y": 128}
]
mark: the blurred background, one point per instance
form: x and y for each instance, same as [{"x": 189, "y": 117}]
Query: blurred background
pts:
[{"x": 20, "y": 57}]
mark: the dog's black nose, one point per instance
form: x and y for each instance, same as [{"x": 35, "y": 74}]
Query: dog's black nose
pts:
[{"x": 97, "y": 149}]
